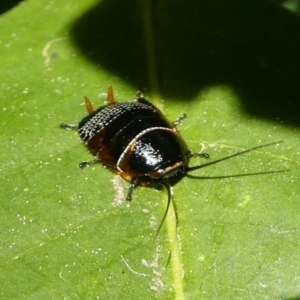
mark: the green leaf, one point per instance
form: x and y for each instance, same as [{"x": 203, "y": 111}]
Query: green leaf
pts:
[{"x": 68, "y": 233}]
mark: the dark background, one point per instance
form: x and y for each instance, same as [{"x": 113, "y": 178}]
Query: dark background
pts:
[
  {"x": 6, "y": 5},
  {"x": 252, "y": 45}
]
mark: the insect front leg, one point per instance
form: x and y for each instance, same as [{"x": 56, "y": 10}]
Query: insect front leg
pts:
[
  {"x": 84, "y": 164},
  {"x": 179, "y": 120},
  {"x": 133, "y": 184},
  {"x": 203, "y": 155}
]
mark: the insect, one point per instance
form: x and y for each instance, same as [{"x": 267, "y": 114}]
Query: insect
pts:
[{"x": 136, "y": 141}]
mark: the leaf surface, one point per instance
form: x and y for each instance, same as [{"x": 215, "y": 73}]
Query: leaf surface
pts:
[{"x": 69, "y": 233}]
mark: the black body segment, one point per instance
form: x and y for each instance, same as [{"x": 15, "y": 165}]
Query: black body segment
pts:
[
  {"x": 134, "y": 139},
  {"x": 115, "y": 117},
  {"x": 157, "y": 148}
]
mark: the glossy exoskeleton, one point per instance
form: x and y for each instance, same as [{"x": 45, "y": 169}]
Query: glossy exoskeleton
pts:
[{"x": 136, "y": 141}]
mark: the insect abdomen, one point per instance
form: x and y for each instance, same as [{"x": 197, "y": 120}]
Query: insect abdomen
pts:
[{"x": 109, "y": 130}]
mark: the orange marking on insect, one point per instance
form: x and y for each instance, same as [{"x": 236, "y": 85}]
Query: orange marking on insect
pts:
[
  {"x": 88, "y": 105},
  {"x": 110, "y": 96}
]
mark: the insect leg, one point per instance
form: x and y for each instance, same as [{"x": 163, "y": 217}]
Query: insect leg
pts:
[
  {"x": 203, "y": 155},
  {"x": 139, "y": 96},
  {"x": 133, "y": 184},
  {"x": 179, "y": 120},
  {"x": 68, "y": 126},
  {"x": 84, "y": 164}
]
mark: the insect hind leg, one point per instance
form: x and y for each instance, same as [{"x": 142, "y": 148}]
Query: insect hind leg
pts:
[{"x": 68, "y": 126}]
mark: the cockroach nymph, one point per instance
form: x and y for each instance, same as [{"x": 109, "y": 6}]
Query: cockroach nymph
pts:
[{"x": 136, "y": 141}]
